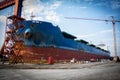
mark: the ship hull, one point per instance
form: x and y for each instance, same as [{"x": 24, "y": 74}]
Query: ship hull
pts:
[
  {"x": 42, "y": 40},
  {"x": 38, "y": 53}
]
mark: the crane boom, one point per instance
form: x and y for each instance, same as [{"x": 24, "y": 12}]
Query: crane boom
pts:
[
  {"x": 92, "y": 19},
  {"x": 6, "y": 3},
  {"x": 18, "y": 6}
]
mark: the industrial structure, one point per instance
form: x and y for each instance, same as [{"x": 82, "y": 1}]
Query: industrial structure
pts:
[
  {"x": 31, "y": 40},
  {"x": 11, "y": 40}
]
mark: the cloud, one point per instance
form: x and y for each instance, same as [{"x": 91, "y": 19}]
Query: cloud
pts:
[
  {"x": 94, "y": 34},
  {"x": 105, "y": 31},
  {"x": 51, "y": 15},
  {"x": 2, "y": 18},
  {"x": 86, "y": 35},
  {"x": 115, "y": 4},
  {"x": 90, "y": 2},
  {"x": 38, "y": 18},
  {"x": 41, "y": 10},
  {"x": 101, "y": 4},
  {"x": 31, "y": 6},
  {"x": 55, "y": 5},
  {"x": 81, "y": 7}
]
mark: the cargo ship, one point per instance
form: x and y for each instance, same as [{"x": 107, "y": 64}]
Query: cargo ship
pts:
[{"x": 43, "y": 40}]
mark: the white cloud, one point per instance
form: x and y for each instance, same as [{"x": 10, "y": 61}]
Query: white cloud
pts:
[
  {"x": 94, "y": 34},
  {"x": 2, "y": 18},
  {"x": 106, "y": 31},
  {"x": 101, "y": 4},
  {"x": 115, "y": 4},
  {"x": 51, "y": 15},
  {"x": 41, "y": 10},
  {"x": 55, "y": 5},
  {"x": 30, "y": 6},
  {"x": 38, "y": 18},
  {"x": 86, "y": 35}
]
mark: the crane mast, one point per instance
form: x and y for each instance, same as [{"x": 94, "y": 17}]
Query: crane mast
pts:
[{"x": 114, "y": 34}]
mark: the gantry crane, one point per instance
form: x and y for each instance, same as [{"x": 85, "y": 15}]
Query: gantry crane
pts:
[
  {"x": 10, "y": 37},
  {"x": 114, "y": 30},
  {"x": 18, "y": 6}
]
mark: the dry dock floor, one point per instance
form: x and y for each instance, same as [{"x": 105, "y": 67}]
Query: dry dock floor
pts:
[{"x": 90, "y": 71}]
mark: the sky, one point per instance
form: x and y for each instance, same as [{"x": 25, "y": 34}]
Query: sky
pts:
[{"x": 55, "y": 11}]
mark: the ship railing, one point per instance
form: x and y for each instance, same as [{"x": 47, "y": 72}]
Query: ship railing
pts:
[{"x": 66, "y": 48}]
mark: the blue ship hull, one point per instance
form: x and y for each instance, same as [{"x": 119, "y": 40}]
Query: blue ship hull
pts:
[{"x": 42, "y": 39}]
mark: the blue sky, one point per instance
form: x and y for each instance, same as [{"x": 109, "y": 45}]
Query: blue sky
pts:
[{"x": 54, "y": 11}]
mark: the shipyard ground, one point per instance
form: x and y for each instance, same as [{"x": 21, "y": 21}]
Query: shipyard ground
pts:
[{"x": 89, "y": 71}]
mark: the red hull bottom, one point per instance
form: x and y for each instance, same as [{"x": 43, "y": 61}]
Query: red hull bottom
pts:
[{"x": 37, "y": 53}]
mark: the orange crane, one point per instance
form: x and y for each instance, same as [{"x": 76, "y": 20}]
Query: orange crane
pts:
[
  {"x": 114, "y": 30},
  {"x": 18, "y": 6}
]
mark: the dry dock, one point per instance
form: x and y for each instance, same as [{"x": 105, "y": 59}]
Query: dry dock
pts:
[{"x": 90, "y": 71}]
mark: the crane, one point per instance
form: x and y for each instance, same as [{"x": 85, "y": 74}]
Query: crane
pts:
[
  {"x": 114, "y": 30},
  {"x": 18, "y": 6}
]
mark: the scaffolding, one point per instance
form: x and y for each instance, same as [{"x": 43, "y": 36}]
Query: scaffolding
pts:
[{"x": 12, "y": 47}]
